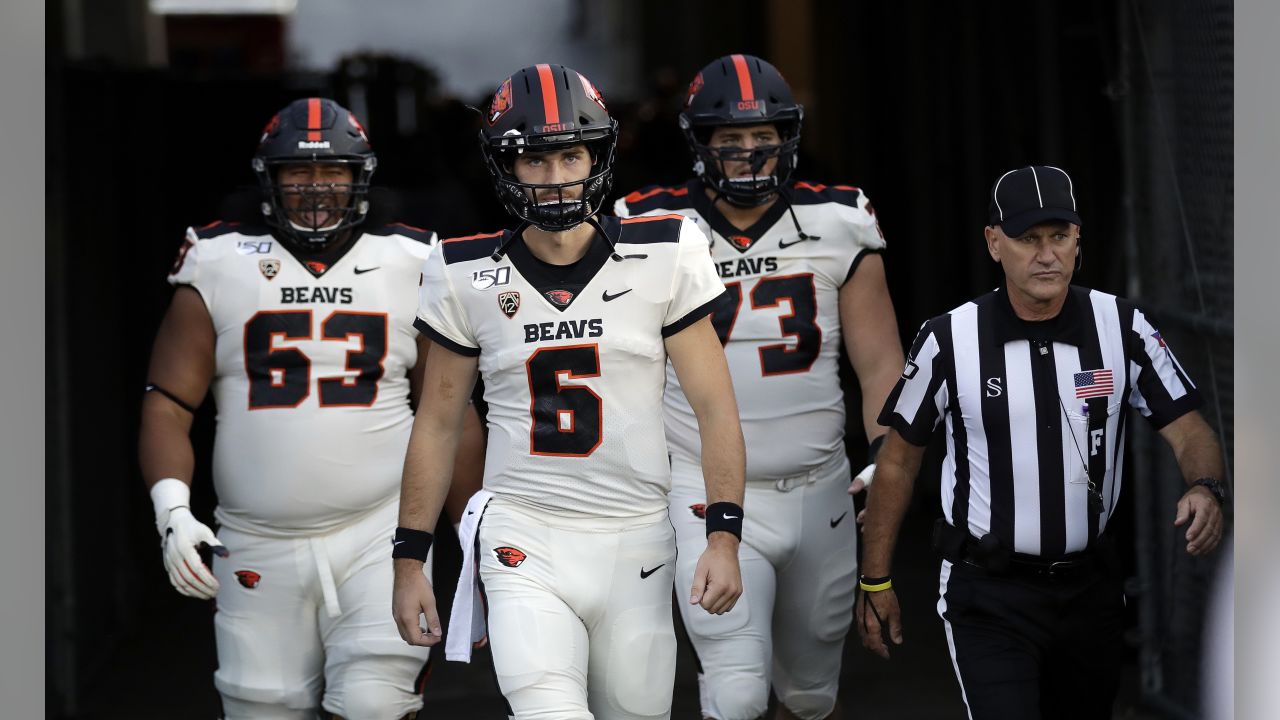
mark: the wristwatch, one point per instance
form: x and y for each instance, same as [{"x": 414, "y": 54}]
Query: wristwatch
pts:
[{"x": 1215, "y": 486}]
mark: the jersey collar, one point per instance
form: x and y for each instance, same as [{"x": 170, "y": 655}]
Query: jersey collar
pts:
[
  {"x": 740, "y": 240},
  {"x": 1066, "y": 327}
]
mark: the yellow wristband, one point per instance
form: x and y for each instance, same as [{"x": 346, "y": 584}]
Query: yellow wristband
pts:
[{"x": 877, "y": 587}]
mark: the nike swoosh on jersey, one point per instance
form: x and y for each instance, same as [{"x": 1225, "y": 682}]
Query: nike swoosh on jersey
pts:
[
  {"x": 784, "y": 244},
  {"x": 607, "y": 297},
  {"x": 644, "y": 574},
  {"x": 838, "y": 520},
  {"x": 361, "y": 271}
]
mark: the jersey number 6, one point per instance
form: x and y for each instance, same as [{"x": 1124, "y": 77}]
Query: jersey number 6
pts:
[
  {"x": 280, "y": 377},
  {"x": 566, "y": 419}
]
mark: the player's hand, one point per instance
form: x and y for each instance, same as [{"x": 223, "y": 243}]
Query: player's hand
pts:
[
  {"x": 862, "y": 480},
  {"x": 1207, "y": 525},
  {"x": 181, "y": 536},
  {"x": 874, "y": 613},
  {"x": 411, "y": 599},
  {"x": 717, "y": 581}
]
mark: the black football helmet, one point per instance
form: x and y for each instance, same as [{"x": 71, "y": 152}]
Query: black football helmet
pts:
[
  {"x": 314, "y": 130},
  {"x": 541, "y": 108},
  {"x": 741, "y": 90}
]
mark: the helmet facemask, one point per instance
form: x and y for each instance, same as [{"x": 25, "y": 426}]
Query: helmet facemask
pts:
[
  {"x": 312, "y": 216},
  {"x": 558, "y": 210},
  {"x": 747, "y": 191}
]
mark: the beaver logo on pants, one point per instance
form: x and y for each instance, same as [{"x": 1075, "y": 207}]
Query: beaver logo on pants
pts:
[
  {"x": 509, "y": 556},
  {"x": 248, "y": 578}
]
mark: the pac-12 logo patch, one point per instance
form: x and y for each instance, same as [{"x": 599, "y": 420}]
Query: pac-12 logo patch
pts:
[
  {"x": 699, "y": 510},
  {"x": 509, "y": 303},
  {"x": 509, "y": 556},
  {"x": 248, "y": 578},
  {"x": 269, "y": 267}
]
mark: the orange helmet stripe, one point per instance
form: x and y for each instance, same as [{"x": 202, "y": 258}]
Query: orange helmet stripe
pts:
[
  {"x": 550, "y": 105},
  {"x": 744, "y": 78},
  {"x": 313, "y": 119}
]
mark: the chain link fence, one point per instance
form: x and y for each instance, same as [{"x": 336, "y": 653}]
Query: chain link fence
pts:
[{"x": 1176, "y": 98}]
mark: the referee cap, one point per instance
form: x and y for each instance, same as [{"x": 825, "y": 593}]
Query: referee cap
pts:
[{"x": 1027, "y": 196}]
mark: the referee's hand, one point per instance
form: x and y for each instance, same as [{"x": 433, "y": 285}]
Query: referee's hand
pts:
[
  {"x": 879, "y": 621},
  {"x": 1200, "y": 507}
]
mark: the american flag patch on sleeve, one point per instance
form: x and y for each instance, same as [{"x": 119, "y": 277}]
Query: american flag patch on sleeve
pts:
[{"x": 1093, "y": 383}]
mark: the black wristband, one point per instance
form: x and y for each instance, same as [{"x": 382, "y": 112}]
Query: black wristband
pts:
[
  {"x": 410, "y": 543},
  {"x": 873, "y": 448},
  {"x": 724, "y": 516}
]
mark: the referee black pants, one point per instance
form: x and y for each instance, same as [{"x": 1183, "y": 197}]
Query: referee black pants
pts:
[{"x": 1026, "y": 648}]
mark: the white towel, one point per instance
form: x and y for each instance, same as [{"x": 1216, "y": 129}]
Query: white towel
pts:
[{"x": 466, "y": 624}]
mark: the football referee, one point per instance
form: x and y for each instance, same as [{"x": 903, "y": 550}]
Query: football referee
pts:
[{"x": 1030, "y": 382}]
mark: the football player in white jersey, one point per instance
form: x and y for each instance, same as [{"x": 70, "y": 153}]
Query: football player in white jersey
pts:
[
  {"x": 302, "y": 321},
  {"x": 802, "y": 266},
  {"x": 570, "y": 320}
]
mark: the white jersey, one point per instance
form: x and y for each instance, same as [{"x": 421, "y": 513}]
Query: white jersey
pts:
[
  {"x": 781, "y": 321},
  {"x": 311, "y": 377},
  {"x": 573, "y": 358}
]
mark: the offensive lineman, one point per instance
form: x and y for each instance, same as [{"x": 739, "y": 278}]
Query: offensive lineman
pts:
[
  {"x": 303, "y": 326},
  {"x": 794, "y": 295},
  {"x": 570, "y": 320}
]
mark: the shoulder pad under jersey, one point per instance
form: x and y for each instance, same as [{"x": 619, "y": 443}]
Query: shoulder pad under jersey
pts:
[
  {"x": 803, "y": 193},
  {"x": 651, "y": 229},
  {"x": 470, "y": 247},
  {"x": 422, "y": 235},
  {"x": 655, "y": 197}
]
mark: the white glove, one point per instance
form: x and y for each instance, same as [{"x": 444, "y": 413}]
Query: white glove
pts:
[
  {"x": 180, "y": 536},
  {"x": 865, "y": 477}
]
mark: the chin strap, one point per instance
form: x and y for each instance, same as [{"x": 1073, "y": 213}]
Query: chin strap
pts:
[
  {"x": 794, "y": 220},
  {"x": 506, "y": 244},
  {"x": 613, "y": 252}
]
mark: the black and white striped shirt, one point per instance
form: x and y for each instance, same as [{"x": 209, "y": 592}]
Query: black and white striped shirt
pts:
[{"x": 1033, "y": 413}]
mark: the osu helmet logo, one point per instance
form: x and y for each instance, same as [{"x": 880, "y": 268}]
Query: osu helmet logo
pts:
[
  {"x": 501, "y": 102},
  {"x": 317, "y": 267},
  {"x": 592, "y": 92},
  {"x": 699, "y": 510},
  {"x": 272, "y": 124},
  {"x": 560, "y": 297},
  {"x": 509, "y": 556},
  {"x": 741, "y": 242},
  {"x": 694, "y": 87},
  {"x": 351, "y": 118},
  {"x": 248, "y": 578}
]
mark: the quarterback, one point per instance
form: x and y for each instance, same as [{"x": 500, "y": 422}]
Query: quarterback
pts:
[{"x": 570, "y": 320}]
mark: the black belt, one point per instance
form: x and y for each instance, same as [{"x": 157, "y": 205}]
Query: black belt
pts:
[{"x": 958, "y": 546}]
